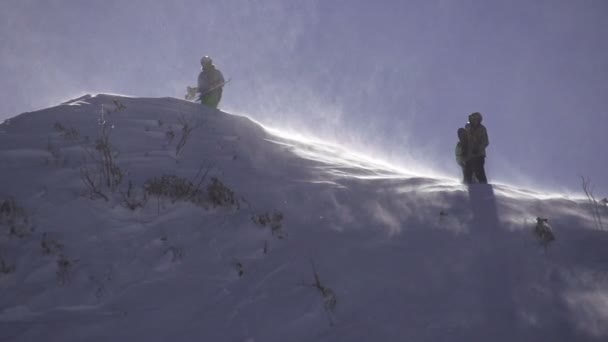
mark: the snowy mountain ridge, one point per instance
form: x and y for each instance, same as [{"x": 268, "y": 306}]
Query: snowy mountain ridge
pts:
[{"x": 209, "y": 226}]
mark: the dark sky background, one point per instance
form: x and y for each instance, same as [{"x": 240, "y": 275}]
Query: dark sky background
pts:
[{"x": 391, "y": 79}]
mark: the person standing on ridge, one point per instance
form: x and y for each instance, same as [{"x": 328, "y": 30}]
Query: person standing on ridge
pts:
[
  {"x": 210, "y": 83},
  {"x": 477, "y": 141},
  {"x": 462, "y": 152}
]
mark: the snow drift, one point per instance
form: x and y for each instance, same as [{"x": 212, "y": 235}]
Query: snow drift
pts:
[{"x": 273, "y": 239}]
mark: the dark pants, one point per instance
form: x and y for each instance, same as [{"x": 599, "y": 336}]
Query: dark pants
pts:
[{"x": 475, "y": 167}]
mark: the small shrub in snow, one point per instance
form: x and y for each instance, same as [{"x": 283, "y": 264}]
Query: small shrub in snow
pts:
[
  {"x": 169, "y": 135},
  {"x": 188, "y": 125},
  {"x": 134, "y": 198},
  {"x": 240, "y": 269},
  {"x": 6, "y": 268},
  {"x": 64, "y": 269},
  {"x": 172, "y": 187},
  {"x": 274, "y": 221},
  {"x": 178, "y": 188},
  {"x": 118, "y": 106},
  {"x": 111, "y": 172},
  {"x": 15, "y": 218},
  {"x": 329, "y": 296},
  {"x": 55, "y": 153},
  {"x": 100, "y": 170},
  {"x": 50, "y": 246},
  {"x": 70, "y": 133},
  {"x": 177, "y": 253},
  {"x": 543, "y": 232},
  {"x": 58, "y": 126},
  {"x": 93, "y": 183},
  {"x": 164, "y": 237},
  {"x": 598, "y": 208},
  {"x": 220, "y": 195},
  {"x": 100, "y": 286}
]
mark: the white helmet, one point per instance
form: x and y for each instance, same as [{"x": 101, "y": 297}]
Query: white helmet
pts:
[{"x": 206, "y": 61}]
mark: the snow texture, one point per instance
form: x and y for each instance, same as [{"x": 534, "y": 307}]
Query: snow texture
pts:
[{"x": 318, "y": 244}]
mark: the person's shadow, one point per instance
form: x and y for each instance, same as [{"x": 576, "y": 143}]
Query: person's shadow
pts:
[
  {"x": 483, "y": 206},
  {"x": 494, "y": 263}
]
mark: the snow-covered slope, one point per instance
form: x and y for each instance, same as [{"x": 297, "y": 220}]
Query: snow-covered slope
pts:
[{"x": 399, "y": 257}]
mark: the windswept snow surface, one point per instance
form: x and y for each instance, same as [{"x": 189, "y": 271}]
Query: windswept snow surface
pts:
[{"x": 407, "y": 257}]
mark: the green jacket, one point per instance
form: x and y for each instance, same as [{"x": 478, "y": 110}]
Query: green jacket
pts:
[{"x": 210, "y": 83}]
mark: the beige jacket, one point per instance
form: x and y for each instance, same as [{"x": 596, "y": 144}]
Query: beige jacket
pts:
[{"x": 477, "y": 138}]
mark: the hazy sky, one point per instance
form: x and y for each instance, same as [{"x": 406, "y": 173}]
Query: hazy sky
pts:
[{"x": 394, "y": 79}]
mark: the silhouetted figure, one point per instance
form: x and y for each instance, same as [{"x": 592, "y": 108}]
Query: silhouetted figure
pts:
[
  {"x": 210, "y": 83},
  {"x": 461, "y": 151},
  {"x": 477, "y": 141}
]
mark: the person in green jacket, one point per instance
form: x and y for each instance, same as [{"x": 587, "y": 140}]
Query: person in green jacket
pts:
[{"x": 210, "y": 83}]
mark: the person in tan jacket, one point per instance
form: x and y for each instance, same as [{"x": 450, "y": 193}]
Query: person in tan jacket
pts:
[
  {"x": 477, "y": 141},
  {"x": 461, "y": 151}
]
